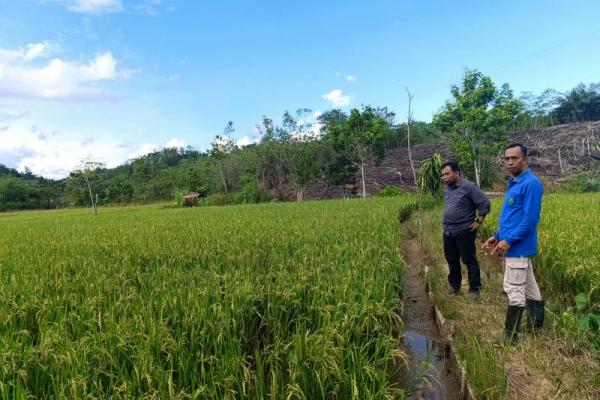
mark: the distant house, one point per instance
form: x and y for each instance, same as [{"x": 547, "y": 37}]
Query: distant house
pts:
[{"x": 193, "y": 199}]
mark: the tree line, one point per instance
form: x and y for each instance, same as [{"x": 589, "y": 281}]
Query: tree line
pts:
[{"x": 296, "y": 151}]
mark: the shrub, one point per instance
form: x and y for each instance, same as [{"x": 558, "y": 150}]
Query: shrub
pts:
[
  {"x": 250, "y": 193},
  {"x": 430, "y": 180},
  {"x": 584, "y": 184},
  {"x": 220, "y": 199},
  {"x": 178, "y": 194},
  {"x": 390, "y": 191}
]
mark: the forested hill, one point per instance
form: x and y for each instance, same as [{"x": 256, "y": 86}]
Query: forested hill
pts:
[
  {"x": 360, "y": 150},
  {"x": 556, "y": 152}
]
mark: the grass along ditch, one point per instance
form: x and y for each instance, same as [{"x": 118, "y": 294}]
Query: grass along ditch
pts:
[{"x": 563, "y": 362}]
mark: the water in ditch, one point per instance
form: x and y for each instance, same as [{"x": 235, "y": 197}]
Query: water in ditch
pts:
[{"x": 431, "y": 373}]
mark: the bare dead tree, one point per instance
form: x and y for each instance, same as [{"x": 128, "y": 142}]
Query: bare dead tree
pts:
[
  {"x": 87, "y": 168},
  {"x": 408, "y": 122}
]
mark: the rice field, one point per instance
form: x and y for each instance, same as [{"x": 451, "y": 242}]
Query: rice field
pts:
[
  {"x": 281, "y": 301},
  {"x": 569, "y": 254}
]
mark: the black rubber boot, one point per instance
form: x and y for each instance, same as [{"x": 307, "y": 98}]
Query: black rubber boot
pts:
[
  {"x": 512, "y": 325},
  {"x": 535, "y": 315}
]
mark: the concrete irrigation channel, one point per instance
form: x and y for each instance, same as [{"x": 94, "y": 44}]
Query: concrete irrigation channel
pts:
[{"x": 434, "y": 370}]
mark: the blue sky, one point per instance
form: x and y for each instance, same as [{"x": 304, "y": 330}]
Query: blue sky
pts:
[{"x": 114, "y": 79}]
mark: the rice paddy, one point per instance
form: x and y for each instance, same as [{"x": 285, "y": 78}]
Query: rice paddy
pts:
[{"x": 294, "y": 301}]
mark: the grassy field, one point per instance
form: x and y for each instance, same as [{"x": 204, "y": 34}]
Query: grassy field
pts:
[{"x": 294, "y": 301}]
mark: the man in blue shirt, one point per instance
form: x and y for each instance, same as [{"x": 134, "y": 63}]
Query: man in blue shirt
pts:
[{"x": 516, "y": 241}]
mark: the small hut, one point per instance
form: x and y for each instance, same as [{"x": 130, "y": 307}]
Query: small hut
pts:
[{"x": 192, "y": 199}]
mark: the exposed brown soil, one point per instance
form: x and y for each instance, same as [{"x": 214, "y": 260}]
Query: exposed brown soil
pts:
[{"x": 555, "y": 153}]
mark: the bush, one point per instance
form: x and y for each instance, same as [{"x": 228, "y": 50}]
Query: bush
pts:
[
  {"x": 430, "y": 180},
  {"x": 390, "y": 191},
  {"x": 178, "y": 194},
  {"x": 428, "y": 201},
  {"x": 220, "y": 199},
  {"x": 584, "y": 184},
  {"x": 250, "y": 193}
]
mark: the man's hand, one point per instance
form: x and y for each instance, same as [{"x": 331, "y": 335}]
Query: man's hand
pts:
[
  {"x": 501, "y": 248},
  {"x": 475, "y": 225},
  {"x": 490, "y": 243}
]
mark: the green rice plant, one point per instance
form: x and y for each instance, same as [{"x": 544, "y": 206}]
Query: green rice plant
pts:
[
  {"x": 282, "y": 301},
  {"x": 484, "y": 368}
]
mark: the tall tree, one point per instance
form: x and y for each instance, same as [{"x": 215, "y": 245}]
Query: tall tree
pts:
[
  {"x": 476, "y": 120},
  {"x": 299, "y": 150},
  {"x": 89, "y": 171},
  {"x": 579, "y": 105},
  {"x": 222, "y": 147},
  {"x": 360, "y": 137}
]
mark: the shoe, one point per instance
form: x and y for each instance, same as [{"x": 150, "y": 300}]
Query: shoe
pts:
[
  {"x": 474, "y": 294},
  {"x": 535, "y": 315},
  {"x": 512, "y": 324},
  {"x": 452, "y": 291}
]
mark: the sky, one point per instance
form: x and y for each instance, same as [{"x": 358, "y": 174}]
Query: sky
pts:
[{"x": 111, "y": 80}]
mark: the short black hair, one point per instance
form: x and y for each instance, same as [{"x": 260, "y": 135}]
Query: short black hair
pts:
[
  {"x": 519, "y": 145},
  {"x": 452, "y": 164}
]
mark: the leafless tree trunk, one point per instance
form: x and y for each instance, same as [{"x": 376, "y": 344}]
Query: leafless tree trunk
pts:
[
  {"x": 87, "y": 181},
  {"x": 477, "y": 173},
  {"x": 408, "y": 122},
  {"x": 300, "y": 193},
  {"x": 362, "y": 171}
]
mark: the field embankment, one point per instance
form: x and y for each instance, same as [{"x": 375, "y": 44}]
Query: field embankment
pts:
[{"x": 562, "y": 362}]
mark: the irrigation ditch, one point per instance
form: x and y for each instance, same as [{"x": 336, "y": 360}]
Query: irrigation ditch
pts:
[{"x": 434, "y": 370}]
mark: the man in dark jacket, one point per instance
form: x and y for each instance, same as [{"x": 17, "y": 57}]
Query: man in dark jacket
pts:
[
  {"x": 516, "y": 241},
  {"x": 465, "y": 209}
]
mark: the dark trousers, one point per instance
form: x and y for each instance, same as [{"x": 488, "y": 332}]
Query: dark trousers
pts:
[{"x": 461, "y": 246}]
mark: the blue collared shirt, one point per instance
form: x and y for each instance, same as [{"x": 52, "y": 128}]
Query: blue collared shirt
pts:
[{"x": 520, "y": 215}]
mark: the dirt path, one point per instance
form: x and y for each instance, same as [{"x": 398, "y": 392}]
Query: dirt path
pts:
[{"x": 429, "y": 353}]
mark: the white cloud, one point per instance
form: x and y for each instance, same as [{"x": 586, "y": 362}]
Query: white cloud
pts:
[
  {"x": 142, "y": 150},
  {"x": 175, "y": 143},
  {"x": 52, "y": 155},
  {"x": 57, "y": 79},
  {"x": 350, "y": 78},
  {"x": 316, "y": 127},
  {"x": 28, "y": 53},
  {"x": 8, "y": 116},
  {"x": 148, "y": 7},
  {"x": 337, "y": 98},
  {"x": 312, "y": 127},
  {"x": 244, "y": 141},
  {"x": 92, "y": 7}
]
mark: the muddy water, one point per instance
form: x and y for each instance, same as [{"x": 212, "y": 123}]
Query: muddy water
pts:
[{"x": 431, "y": 372}]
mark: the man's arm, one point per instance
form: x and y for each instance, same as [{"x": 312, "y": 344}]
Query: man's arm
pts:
[
  {"x": 532, "y": 207},
  {"x": 483, "y": 205}
]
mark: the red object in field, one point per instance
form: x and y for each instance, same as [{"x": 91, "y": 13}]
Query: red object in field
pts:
[{"x": 193, "y": 198}]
